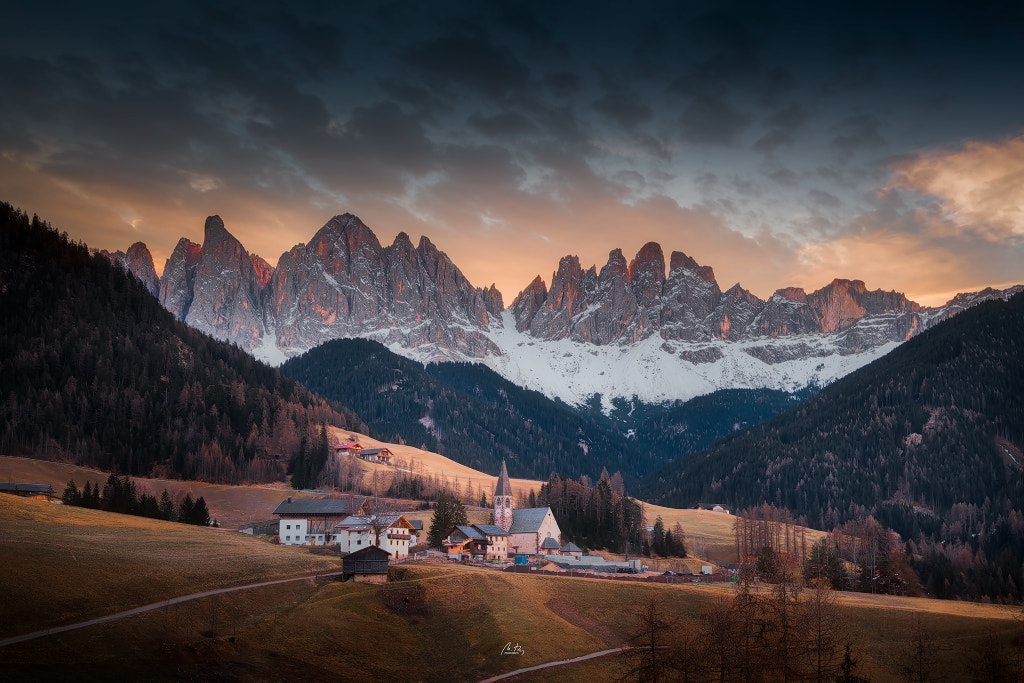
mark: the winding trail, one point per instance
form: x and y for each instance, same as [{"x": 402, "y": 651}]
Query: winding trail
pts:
[
  {"x": 153, "y": 606},
  {"x": 574, "y": 660}
]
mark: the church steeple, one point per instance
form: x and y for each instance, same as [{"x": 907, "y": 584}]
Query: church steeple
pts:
[{"x": 503, "y": 500}]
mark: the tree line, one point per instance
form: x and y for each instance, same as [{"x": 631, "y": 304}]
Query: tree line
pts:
[
  {"x": 97, "y": 373},
  {"x": 120, "y": 494}
]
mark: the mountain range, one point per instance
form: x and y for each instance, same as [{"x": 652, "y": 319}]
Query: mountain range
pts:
[{"x": 630, "y": 329}]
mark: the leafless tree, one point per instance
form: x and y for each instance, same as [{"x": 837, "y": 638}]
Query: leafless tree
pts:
[
  {"x": 825, "y": 627},
  {"x": 381, "y": 513},
  {"x": 651, "y": 656}
]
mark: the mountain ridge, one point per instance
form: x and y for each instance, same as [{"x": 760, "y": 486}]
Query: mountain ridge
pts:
[{"x": 414, "y": 299}]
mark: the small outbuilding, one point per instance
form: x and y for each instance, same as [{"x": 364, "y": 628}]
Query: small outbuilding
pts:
[
  {"x": 369, "y": 565},
  {"x": 38, "y": 491}
]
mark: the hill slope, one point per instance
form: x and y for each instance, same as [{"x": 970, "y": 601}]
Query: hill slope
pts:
[
  {"x": 96, "y": 372},
  {"x": 305, "y": 629},
  {"x": 472, "y": 415},
  {"x": 937, "y": 422}
]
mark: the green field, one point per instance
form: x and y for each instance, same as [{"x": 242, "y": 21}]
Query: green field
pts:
[{"x": 64, "y": 565}]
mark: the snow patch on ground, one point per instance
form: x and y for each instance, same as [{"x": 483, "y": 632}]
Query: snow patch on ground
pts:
[{"x": 268, "y": 352}]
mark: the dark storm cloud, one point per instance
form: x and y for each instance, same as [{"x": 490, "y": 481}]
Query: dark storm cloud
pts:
[
  {"x": 782, "y": 126},
  {"x": 469, "y": 62},
  {"x": 857, "y": 132},
  {"x": 624, "y": 107},
  {"x": 508, "y": 125},
  {"x": 709, "y": 119},
  {"x": 562, "y": 84},
  {"x": 459, "y": 115}
]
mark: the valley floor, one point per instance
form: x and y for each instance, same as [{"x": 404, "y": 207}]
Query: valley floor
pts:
[{"x": 64, "y": 565}]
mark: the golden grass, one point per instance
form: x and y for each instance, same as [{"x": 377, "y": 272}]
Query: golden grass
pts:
[
  {"x": 63, "y": 565},
  {"x": 232, "y": 506},
  {"x": 236, "y": 505}
]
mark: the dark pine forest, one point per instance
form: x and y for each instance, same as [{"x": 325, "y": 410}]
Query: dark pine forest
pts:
[
  {"x": 93, "y": 371},
  {"x": 926, "y": 440}
]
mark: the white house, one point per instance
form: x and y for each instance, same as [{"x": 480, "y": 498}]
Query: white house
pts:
[
  {"x": 357, "y": 532},
  {"x": 310, "y": 522}
]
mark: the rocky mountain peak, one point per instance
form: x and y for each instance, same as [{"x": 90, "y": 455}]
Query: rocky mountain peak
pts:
[
  {"x": 264, "y": 271},
  {"x": 177, "y": 283},
  {"x": 648, "y": 264},
  {"x": 792, "y": 293},
  {"x": 226, "y": 291},
  {"x": 139, "y": 262},
  {"x": 526, "y": 304},
  {"x": 616, "y": 266}
]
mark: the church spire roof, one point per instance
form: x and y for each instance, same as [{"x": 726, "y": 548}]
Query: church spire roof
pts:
[{"x": 504, "y": 487}]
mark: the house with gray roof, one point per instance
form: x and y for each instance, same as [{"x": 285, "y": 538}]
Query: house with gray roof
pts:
[
  {"x": 40, "y": 491},
  {"x": 311, "y": 521}
]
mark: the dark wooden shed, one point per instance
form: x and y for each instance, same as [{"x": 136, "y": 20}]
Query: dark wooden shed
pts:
[{"x": 369, "y": 564}]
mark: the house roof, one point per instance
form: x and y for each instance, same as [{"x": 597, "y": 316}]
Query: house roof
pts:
[
  {"x": 571, "y": 547},
  {"x": 527, "y": 520},
  {"x": 367, "y": 521},
  {"x": 26, "y": 488},
  {"x": 320, "y": 506},
  {"x": 417, "y": 524},
  {"x": 370, "y": 552},
  {"x": 504, "y": 487},
  {"x": 491, "y": 529},
  {"x": 373, "y": 451},
  {"x": 471, "y": 533},
  {"x": 549, "y": 544}
]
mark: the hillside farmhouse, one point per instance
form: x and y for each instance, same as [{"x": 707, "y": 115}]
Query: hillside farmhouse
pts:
[
  {"x": 528, "y": 528},
  {"x": 356, "y": 532},
  {"x": 312, "y": 522},
  {"x": 378, "y": 455},
  {"x": 488, "y": 541},
  {"x": 37, "y": 491}
]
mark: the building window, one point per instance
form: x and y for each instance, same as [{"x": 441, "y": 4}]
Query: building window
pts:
[
  {"x": 287, "y": 526},
  {"x": 287, "y": 538}
]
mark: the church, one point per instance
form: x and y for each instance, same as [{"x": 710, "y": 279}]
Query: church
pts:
[{"x": 528, "y": 528}]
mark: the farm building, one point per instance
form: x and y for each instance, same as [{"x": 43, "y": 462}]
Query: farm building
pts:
[
  {"x": 378, "y": 455},
  {"x": 488, "y": 541},
  {"x": 368, "y": 565},
  {"x": 356, "y": 532},
  {"x": 311, "y": 522},
  {"x": 38, "y": 491}
]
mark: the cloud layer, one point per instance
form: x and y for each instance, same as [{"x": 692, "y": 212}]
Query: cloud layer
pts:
[{"x": 783, "y": 146}]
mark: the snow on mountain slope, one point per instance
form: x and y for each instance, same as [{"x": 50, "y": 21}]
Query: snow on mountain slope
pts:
[
  {"x": 646, "y": 328},
  {"x": 653, "y": 371}
]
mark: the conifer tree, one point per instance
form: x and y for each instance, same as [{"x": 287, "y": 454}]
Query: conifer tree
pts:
[{"x": 71, "y": 495}]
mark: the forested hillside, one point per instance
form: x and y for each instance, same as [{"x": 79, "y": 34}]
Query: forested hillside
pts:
[
  {"x": 928, "y": 440},
  {"x": 465, "y": 412},
  {"x": 469, "y": 413},
  {"x": 94, "y": 371}
]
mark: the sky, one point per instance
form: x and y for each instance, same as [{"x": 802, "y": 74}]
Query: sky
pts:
[{"x": 783, "y": 144}]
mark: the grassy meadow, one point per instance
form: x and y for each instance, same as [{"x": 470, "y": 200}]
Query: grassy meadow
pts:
[{"x": 64, "y": 565}]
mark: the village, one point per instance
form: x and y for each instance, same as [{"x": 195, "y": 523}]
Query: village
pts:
[{"x": 371, "y": 535}]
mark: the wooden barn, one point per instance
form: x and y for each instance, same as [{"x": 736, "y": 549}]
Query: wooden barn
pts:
[{"x": 369, "y": 565}]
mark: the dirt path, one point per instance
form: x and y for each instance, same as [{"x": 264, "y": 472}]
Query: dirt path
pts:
[
  {"x": 574, "y": 660},
  {"x": 147, "y": 608}
]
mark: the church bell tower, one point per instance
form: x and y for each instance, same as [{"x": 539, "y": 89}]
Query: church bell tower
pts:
[{"x": 503, "y": 500}]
